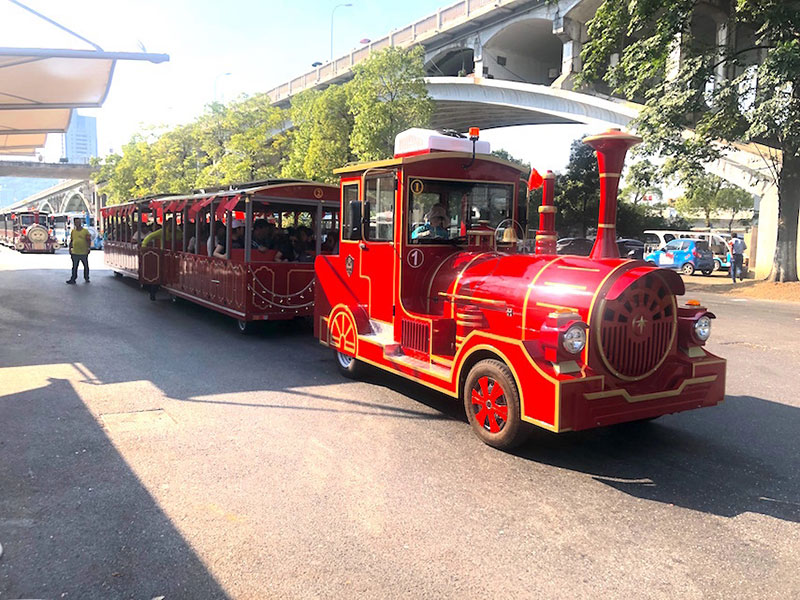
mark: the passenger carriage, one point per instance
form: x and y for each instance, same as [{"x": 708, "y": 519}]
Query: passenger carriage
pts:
[
  {"x": 27, "y": 231},
  {"x": 250, "y": 283},
  {"x": 429, "y": 284}
]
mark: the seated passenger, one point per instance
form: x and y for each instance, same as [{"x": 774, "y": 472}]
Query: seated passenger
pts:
[
  {"x": 285, "y": 248},
  {"x": 237, "y": 234},
  {"x": 434, "y": 227},
  {"x": 220, "y": 244},
  {"x": 211, "y": 242},
  {"x": 304, "y": 245},
  {"x": 330, "y": 242}
]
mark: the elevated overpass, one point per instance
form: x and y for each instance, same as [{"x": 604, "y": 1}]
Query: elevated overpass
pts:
[{"x": 18, "y": 168}]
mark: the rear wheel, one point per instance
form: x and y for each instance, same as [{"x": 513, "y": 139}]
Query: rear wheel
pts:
[
  {"x": 707, "y": 272},
  {"x": 244, "y": 327},
  {"x": 491, "y": 401},
  {"x": 687, "y": 269},
  {"x": 349, "y": 366}
]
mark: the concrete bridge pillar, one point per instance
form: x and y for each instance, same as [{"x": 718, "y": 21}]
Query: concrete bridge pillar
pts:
[{"x": 572, "y": 35}]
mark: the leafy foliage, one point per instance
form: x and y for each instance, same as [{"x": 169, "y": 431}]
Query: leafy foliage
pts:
[
  {"x": 388, "y": 96},
  {"x": 250, "y": 139},
  {"x": 700, "y": 97},
  {"x": 712, "y": 196}
]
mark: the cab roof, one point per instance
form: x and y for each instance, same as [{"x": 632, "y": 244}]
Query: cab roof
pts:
[{"x": 437, "y": 155}]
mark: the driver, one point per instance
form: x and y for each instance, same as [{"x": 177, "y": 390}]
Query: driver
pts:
[{"x": 434, "y": 227}]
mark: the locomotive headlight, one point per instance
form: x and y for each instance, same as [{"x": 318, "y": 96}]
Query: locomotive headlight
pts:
[
  {"x": 574, "y": 339},
  {"x": 702, "y": 328}
]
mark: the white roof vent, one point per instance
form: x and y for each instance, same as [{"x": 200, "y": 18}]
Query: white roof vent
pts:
[{"x": 419, "y": 141}]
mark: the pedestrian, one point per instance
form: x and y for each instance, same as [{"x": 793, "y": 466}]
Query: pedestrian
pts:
[
  {"x": 737, "y": 254},
  {"x": 79, "y": 242}
]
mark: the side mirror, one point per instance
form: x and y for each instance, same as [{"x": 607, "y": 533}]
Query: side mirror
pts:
[
  {"x": 354, "y": 231},
  {"x": 365, "y": 221}
]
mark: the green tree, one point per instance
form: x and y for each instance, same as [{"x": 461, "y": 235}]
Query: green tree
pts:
[
  {"x": 712, "y": 196},
  {"x": 722, "y": 94},
  {"x": 323, "y": 124},
  {"x": 577, "y": 193},
  {"x": 388, "y": 96},
  {"x": 642, "y": 180}
]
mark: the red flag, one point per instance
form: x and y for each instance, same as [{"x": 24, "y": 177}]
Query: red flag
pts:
[{"x": 535, "y": 180}]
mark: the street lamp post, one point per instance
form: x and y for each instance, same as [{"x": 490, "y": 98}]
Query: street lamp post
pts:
[
  {"x": 216, "y": 79},
  {"x": 332, "y": 13}
]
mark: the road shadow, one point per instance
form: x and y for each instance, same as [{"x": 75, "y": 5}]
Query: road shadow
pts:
[
  {"x": 75, "y": 521},
  {"x": 736, "y": 458}
]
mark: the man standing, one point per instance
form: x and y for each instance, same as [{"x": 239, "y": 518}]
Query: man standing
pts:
[
  {"x": 737, "y": 254},
  {"x": 79, "y": 242}
]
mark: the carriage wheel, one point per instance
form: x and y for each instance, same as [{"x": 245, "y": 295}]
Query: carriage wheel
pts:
[
  {"x": 244, "y": 327},
  {"x": 344, "y": 340},
  {"x": 491, "y": 401}
]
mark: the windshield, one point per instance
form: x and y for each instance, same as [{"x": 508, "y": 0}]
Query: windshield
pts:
[
  {"x": 29, "y": 219},
  {"x": 447, "y": 210}
]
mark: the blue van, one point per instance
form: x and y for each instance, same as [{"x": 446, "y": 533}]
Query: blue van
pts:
[{"x": 687, "y": 256}]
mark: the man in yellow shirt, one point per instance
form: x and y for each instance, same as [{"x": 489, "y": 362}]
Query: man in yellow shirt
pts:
[{"x": 79, "y": 242}]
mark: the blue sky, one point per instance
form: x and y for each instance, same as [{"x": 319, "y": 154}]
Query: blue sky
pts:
[{"x": 260, "y": 43}]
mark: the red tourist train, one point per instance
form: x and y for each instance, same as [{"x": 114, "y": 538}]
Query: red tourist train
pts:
[
  {"x": 169, "y": 243},
  {"x": 429, "y": 284},
  {"x": 27, "y": 231}
]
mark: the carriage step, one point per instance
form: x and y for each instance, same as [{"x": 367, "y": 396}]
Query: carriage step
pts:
[{"x": 420, "y": 365}]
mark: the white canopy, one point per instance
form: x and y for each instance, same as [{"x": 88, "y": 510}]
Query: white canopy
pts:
[{"x": 40, "y": 87}]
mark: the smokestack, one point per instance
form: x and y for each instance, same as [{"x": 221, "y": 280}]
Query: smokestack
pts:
[
  {"x": 611, "y": 147},
  {"x": 546, "y": 236}
]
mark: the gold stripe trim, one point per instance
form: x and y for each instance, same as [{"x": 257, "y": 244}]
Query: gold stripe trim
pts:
[
  {"x": 655, "y": 395},
  {"x": 572, "y": 286},
  {"x": 547, "y": 209},
  {"x": 556, "y": 306},
  {"x": 472, "y": 298},
  {"x": 606, "y": 226},
  {"x": 602, "y": 175},
  {"x": 587, "y": 269}
]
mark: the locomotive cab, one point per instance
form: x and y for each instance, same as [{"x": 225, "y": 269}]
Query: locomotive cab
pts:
[{"x": 429, "y": 284}]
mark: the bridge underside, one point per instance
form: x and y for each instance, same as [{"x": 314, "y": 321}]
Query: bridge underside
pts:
[{"x": 463, "y": 102}]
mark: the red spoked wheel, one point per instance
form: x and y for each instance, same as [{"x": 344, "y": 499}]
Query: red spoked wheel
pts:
[
  {"x": 491, "y": 401},
  {"x": 344, "y": 340}
]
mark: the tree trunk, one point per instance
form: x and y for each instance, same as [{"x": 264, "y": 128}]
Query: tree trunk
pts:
[{"x": 784, "y": 264}]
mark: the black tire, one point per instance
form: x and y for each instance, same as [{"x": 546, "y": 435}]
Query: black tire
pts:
[
  {"x": 484, "y": 412},
  {"x": 687, "y": 268},
  {"x": 244, "y": 327},
  {"x": 349, "y": 366},
  {"x": 117, "y": 274},
  {"x": 707, "y": 272},
  {"x": 717, "y": 265}
]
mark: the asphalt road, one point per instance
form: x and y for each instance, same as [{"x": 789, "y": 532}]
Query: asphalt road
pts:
[{"x": 148, "y": 449}]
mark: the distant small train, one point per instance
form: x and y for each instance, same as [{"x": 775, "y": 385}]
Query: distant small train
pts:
[{"x": 27, "y": 231}]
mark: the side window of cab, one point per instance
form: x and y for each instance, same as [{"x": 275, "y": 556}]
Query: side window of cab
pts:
[{"x": 351, "y": 227}]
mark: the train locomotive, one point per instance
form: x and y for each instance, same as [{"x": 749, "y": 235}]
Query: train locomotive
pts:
[
  {"x": 27, "y": 232},
  {"x": 430, "y": 283}
]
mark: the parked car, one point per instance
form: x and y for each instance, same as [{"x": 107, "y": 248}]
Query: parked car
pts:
[
  {"x": 687, "y": 256},
  {"x": 574, "y": 246},
  {"x": 630, "y": 248}
]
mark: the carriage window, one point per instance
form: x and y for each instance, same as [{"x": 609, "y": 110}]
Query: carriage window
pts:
[
  {"x": 380, "y": 195},
  {"x": 447, "y": 210},
  {"x": 349, "y": 194}
]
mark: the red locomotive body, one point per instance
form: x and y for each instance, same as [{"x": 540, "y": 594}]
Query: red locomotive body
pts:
[
  {"x": 247, "y": 280},
  {"x": 429, "y": 283}
]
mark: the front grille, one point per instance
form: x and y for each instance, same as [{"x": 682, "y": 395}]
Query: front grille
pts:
[
  {"x": 416, "y": 336},
  {"x": 638, "y": 328}
]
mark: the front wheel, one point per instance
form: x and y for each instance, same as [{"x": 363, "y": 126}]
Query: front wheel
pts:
[
  {"x": 349, "y": 366},
  {"x": 717, "y": 265},
  {"x": 491, "y": 401},
  {"x": 687, "y": 269},
  {"x": 707, "y": 272}
]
